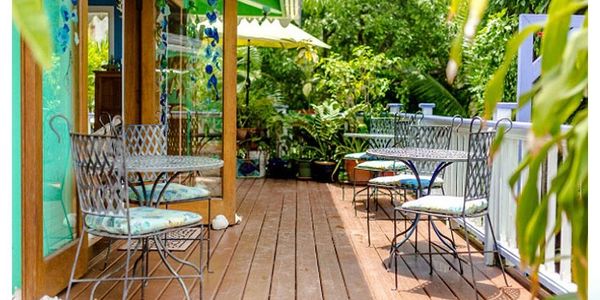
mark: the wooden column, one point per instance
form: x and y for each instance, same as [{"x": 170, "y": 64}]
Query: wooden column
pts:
[
  {"x": 229, "y": 106},
  {"x": 131, "y": 62},
  {"x": 147, "y": 53}
]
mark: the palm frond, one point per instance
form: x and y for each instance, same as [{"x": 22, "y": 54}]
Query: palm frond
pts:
[{"x": 427, "y": 89}]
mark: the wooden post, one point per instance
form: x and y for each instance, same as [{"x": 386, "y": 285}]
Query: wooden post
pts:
[{"x": 229, "y": 106}]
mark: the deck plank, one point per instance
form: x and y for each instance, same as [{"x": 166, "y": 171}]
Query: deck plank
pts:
[
  {"x": 372, "y": 258},
  {"x": 307, "y": 268},
  {"x": 332, "y": 280},
  {"x": 301, "y": 240},
  {"x": 284, "y": 268},
  {"x": 236, "y": 275},
  {"x": 355, "y": 281},
  {"x": 259, "y": 278}
]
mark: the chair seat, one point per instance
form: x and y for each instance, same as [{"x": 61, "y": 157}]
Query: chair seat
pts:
[
  {"x": 143, "y": 220},
  {"x": 447, "y": 205},
  {"x": 381, "y": 165},
  {"x": 408, "y": 181},
  {"x": 174, "y": 192},
  {"x": 358, "y": 156}
]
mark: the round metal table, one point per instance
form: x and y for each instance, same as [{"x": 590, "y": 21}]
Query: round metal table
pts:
[
  {"x": 163, "y": 164},
  {"x": 408, "y": 156}
]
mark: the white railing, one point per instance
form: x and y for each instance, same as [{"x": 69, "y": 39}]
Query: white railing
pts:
[{"x": 502, "y": 205}]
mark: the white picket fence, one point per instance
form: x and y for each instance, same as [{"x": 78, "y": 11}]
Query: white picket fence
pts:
[{"x": 556, "y": 276}]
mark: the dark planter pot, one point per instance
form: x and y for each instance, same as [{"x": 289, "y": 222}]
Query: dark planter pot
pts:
[
  {"x": 304, "y": 169},
  {"x": 322, "y": 171},
  {"x": 281, "y": 168}
]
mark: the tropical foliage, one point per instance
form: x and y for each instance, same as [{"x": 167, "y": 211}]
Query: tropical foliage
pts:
[
  {"x": 556, "y": 99},
  {"x": 97, "y": 57}
]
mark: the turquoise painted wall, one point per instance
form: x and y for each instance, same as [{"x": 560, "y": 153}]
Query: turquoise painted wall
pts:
[{"x": 16, "y": 159}]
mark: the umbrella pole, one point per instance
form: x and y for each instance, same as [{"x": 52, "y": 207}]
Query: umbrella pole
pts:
[{"x": 248, "y": 74}]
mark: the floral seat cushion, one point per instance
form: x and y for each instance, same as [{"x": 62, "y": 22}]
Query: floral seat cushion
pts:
[
  {"x": 448, "y": 205},
  {"x": 381, "y": 165},
  {"x": 407, "y": 181},
  {"x": 174, "y": 192},
  {"x": 143, "y": 220}
]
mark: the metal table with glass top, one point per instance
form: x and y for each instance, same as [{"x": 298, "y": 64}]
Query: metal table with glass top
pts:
[
  {"x": 167, "y": 164},
  {"x": 409, "y": 156}
]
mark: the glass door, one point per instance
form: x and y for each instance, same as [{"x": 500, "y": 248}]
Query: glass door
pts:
[{"x": 50, "y": 219}]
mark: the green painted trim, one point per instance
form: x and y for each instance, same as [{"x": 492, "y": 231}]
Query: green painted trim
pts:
[{"x": 16, "y": 159}]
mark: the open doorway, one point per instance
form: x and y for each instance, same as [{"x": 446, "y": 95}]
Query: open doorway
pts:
[{"x": 104, "y": 57}]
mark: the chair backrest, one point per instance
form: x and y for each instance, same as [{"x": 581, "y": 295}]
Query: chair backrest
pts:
[
  {"x": 430, "y": 137},
  {"x": 100, "y": 174},
  {"x": 479, "y": 167},
  {"x": 402, "y": 123},
  {"x": 146, "y": 139},
  {"x": 381, "y": 125}
]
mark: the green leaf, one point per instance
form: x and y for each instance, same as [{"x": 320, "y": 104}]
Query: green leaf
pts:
[
  {"x": 31, "y": 20},
  {"x": 495, "y": 87},
  {"x": 427, "y": 89}
]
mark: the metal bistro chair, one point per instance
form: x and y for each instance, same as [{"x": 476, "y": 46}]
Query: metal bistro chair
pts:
[
  {"x": 398, "y": 126},
  {"x": 151, "y": 139},
  {"x": 473, "y": 204},
  {"x": 99, "y": 164},
  {"x": 421, "y": 136}
]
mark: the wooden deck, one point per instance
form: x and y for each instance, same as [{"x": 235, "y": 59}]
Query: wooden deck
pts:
[{"x": 300, "y": 240}]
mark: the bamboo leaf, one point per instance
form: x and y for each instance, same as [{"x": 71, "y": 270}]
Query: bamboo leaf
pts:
[
  {"x": 495, "y": 87},
  {"x": 31, "y": 20}
]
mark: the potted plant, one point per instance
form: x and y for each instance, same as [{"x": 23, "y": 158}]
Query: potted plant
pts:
[
  {"x": 351, "y": 145},
  {"x": 325, "y": 129}
]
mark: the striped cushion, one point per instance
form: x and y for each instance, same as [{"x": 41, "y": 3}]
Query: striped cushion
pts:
[
  {"x": 381, "y": 165},
  {"x": 175, "y": 192},
  {"x": 408, "y": 181},
  {"x": 449, "y": 205}
]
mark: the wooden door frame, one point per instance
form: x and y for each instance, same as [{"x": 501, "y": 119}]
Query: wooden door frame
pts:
[
  {"x": 139, "y": 74},
  {"x": 46, "y": 275}
]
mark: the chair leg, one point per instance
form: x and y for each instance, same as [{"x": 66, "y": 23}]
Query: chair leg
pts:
[
  {"x": 354, "y": 194},
  {"x": 454, "y": 245},
  {"x": 208, "y": 239},
  {"x": 470, "y": 257},
  {"x": 126, "y": 274},
  {"x": 159, "y": 245},
  {"x": 200, "y": 285},
  {"x": 429, "y": 244},
  {"x": 75, "y": 263},
  {"x": 368, "y": 216},
  {"x": 107, "y": 253},
  {"x": 496, "y": 248}
]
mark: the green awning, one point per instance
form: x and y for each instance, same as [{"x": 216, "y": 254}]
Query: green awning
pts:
[{"x": 245, "y": 7}]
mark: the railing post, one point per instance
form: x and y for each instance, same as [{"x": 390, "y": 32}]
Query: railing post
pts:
[
  {"x": 503, "y": 110},
  {"x": 427, "y": 108},
  {"x": 394, "y": 108}
]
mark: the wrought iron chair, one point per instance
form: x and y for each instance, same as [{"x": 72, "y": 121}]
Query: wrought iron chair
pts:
[
  {"x": 473, "y": 204},
  {"x": 151, "y": 139},
  {"x": 421, "y": 136},
  {"x": 99, "y": 164},
  {"x": 398, "y": 126}
]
